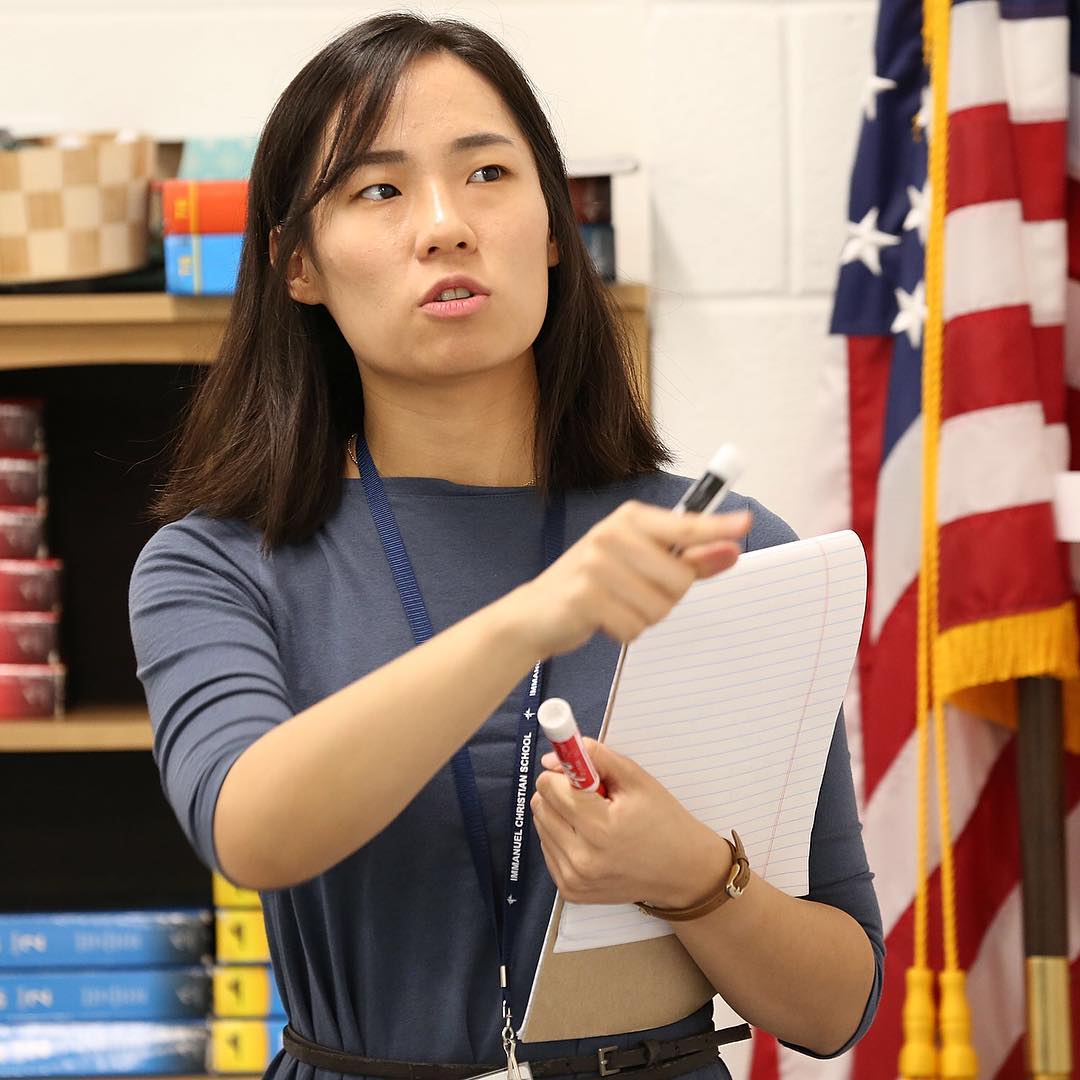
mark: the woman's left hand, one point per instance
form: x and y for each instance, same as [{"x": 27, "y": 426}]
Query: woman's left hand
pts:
[{"x": 639, "y": 843}]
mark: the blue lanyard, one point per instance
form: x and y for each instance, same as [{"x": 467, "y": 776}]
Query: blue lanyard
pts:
[{"x": 502, "y": 909}]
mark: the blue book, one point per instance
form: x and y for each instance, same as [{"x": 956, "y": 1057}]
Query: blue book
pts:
[
  {"x": 121, "y": 994},
  {"x": 105, "y": 939},
  {"x": 202, "y": 264},
  {"x": 102, "y": 1049},
  {"x": 599, "y": 240}
]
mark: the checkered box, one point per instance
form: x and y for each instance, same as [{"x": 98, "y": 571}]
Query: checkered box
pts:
[{"x": 74, "y": 207}]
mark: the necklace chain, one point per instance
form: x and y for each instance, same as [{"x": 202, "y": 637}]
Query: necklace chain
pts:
[{"x": 352, "y": 454}]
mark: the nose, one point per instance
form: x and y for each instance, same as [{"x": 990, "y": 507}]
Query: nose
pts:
[{"x": 441, "y": 225}]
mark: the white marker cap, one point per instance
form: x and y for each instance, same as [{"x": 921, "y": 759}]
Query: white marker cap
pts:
[
  {"x": 726, "y": 463},
  {"x": 557, "y": 719}
]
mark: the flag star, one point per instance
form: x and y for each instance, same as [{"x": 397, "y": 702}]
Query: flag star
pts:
[
  {"x": 874, "y": 86},
  {"x": 918, "y": 217},
  {"x": 865, "y": 242},
  {"x": 912, "y": 314},
  {"x": 926, "y": 112}
]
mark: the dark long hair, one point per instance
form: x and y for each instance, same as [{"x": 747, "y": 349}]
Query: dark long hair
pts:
[{"x": 263, "y": 437}]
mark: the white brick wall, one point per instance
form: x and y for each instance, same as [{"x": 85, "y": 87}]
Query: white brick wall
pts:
[{"x": 743, "y": 114}]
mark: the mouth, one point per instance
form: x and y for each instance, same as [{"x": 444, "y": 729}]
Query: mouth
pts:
[{"x": 460, "y": 302}]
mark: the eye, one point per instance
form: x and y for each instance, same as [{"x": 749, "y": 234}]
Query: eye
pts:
[
  {"x": 500, "y": 168},
  {"x": 374, "y": 187}
]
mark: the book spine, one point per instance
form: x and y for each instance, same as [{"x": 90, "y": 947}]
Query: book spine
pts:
[
  {"x": 203, "y": 206},
  {"x": 202, "y": 264},
  {"x": 149, "y": 994},
  {"x": 246, "y": 991},
  {"x": 590, "y": 197},
  {"x": 244, "y": 1046},
  {"x": 226, "y": 894},
  {"x": 105, "y": 939},
  {"x": 241, "y": 937},
  {"x": 102, "y": 1049},
  {"x": 599, "y": 241}
]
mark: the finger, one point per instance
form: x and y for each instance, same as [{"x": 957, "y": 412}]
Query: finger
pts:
[
  {"x": 578, "y": 809},
  {"x": 555, "y": 859},
  {"x": 643, "y": 557},
  {"x": 684, "y": 528},
  {"x": 551, "y": 761},
  {"x": 616, "y": 770},
  {"x": 622, "y": 579},
  {"x": 549, "y": 821},
  {"x": 709, "y": 559}
]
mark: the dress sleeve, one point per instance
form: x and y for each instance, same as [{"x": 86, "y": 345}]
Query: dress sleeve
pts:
[
  {"x": 207, "y": 656},
  {"x": 839, "y": 873}
]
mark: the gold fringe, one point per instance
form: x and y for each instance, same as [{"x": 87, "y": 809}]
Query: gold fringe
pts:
[{"x": 975, "y": 664}]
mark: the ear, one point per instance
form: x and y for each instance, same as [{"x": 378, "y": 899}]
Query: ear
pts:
[
  {"x": 553, "y": 252},
  {"x": 300, "y": 276}
]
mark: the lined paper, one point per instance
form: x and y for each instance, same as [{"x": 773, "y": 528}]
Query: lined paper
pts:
[{"x": 731, "y": 701}]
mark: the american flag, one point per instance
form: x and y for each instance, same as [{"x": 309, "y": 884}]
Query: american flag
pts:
[{"x": 1010, "y": 411}]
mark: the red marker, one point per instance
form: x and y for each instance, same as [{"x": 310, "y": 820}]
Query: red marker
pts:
[{"x": 557, "y": 719}]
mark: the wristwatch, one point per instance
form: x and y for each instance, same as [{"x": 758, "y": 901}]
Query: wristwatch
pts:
[{"x": 734, "y": 885}]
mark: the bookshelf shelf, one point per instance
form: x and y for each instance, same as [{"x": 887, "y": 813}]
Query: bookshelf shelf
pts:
[
  {"x": 92, "y": 728},
  {"x": 38, "y": 330}
]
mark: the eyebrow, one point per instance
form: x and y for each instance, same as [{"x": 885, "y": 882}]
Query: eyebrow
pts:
[{"x": 459, "y": 145}]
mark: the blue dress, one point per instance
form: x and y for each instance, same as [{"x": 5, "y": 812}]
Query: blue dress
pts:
[{"x": 390, "y": 954}]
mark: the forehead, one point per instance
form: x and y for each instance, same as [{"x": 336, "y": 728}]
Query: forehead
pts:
[{"x": 436, "y": 93}]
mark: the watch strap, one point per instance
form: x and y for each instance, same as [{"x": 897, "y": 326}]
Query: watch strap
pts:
[{"x": 734, "y": 885}]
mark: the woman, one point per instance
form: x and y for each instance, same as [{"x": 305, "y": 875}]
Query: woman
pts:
[{"x": 493, "y": 450}]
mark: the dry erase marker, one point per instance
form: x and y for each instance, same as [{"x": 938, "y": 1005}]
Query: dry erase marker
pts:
[
  {"x": 557, "y": 719},
  {"x": 709, "y": 489}
]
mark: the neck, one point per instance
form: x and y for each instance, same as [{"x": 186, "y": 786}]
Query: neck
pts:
[{"x": 479, "y": 432}]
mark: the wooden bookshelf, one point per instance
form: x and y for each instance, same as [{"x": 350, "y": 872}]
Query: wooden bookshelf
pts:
[
  {"x": 155, "y": 328},
  {"x": 93, "y": 728},
  {"x": 49, "y": 346}
]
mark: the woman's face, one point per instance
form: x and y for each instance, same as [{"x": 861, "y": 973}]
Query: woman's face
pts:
[{"x": 424, "y": 210}]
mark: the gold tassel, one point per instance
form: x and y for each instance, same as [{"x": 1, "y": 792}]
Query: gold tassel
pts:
[
  {"x": 958, "y": 1058},
  {"x": 918, "y": 1056}
]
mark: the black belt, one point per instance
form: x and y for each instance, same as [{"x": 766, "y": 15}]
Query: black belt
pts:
[{"x": 649, "y": 1060}]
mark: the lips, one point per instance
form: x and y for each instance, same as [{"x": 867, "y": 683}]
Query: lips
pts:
[{"x": 457, "y": 281}]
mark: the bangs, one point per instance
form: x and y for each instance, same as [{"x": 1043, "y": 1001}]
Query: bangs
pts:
[{"x": 356, "y": 121}]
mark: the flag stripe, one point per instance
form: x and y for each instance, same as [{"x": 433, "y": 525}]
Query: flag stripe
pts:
[
  {"x": 996, "y": 459},
  {"x": 980, "y": 277},
  {"x": 996, "y": 354},
  {"x": 996, "y": 160},
  {"x": 973, "y": 750},
  {"x": 989, "y": 572},
  {"x": 994, "y": 60}
]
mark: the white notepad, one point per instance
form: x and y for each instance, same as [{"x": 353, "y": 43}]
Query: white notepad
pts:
[{"x": 731, "y": 701}]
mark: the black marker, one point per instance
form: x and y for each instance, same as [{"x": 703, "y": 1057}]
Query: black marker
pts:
[{"x": 709, "y": 489}]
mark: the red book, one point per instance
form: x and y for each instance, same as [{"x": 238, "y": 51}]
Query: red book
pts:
[{"x": 203, "y": 206}]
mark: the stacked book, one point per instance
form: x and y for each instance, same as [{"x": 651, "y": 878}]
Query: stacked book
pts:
[
  {"x": 32, "y": 680},
  {"x": 202, "y": 225},
  {"x": 245, "y": 1029},
  {"x": 591, "y": 198},
  {"x": 104, "y": 993}
]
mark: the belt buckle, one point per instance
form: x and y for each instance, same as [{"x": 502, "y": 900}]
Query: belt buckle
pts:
[{"x": 601, "y": 1057}]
